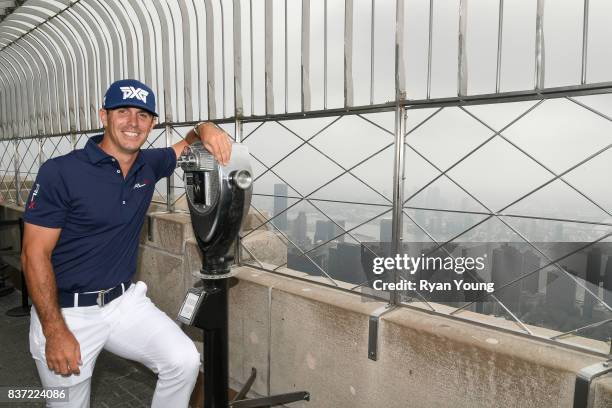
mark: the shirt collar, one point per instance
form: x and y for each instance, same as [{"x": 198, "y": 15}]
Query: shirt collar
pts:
[
  {"x": 97, "y": 155},
  {"x": 94, "y": 152}
]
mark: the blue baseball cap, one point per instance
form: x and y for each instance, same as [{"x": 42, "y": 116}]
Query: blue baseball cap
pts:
[{"x": 130, "y": 92}]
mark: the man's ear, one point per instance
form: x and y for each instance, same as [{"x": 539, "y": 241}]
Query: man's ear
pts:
[
  {"x": 153, "y": 123},
  {"x": 103, "y": 117}
]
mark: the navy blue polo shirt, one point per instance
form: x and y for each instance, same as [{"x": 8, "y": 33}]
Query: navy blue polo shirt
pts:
[{"x": 99, "y": 211}]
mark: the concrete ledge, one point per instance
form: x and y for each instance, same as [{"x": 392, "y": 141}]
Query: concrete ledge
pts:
[
  {"x": 9, "y": 236},
  {"x": 163, "y": 273},
  {"x": 318, "y": 341},
  {"x": 265, "y": 247},
  {"x": 249, "y": 333},
  {"x": 169, "y": 231},
  {"x": 601, "y": 391},
  {"x": 476, "y": 367}
]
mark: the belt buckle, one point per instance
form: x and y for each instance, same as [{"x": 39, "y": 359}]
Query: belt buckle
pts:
[{"x": 100, "y": 298}]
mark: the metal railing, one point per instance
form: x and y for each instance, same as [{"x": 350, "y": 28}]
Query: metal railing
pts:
[{"x": 352, "y": 123}]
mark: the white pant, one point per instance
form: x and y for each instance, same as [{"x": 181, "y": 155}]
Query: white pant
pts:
[{"x": 132, "y": 327}]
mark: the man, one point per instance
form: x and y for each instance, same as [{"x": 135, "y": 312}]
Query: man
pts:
[{"x": 82, "y": 225}]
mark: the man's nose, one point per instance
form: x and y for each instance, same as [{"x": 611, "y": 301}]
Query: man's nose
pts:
[{"x": 133, "y": 119}]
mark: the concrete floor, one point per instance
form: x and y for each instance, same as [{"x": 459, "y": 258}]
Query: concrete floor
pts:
[{"x": 116, "y": 382}]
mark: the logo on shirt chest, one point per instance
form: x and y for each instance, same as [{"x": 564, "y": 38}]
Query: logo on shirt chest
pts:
[{"x": 141, "y": 184}]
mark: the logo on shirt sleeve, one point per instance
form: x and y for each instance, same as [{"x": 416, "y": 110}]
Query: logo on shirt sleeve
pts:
[{"x": 32, "y": 203}]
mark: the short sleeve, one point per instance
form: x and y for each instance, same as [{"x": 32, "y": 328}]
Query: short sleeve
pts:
[
  {"x": 163, "y": 161},
  {"x": 48, "y": 201}
]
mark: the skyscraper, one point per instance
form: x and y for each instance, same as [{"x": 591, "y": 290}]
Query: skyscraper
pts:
[
  {"x": 326, "y": 230},
  {"x": 560, "y": 293},
  {"x": 385, "y": 230},
  {"x": 593, "y": 276},
  {"x": 280, "y": 205},
  {"x": 507, "y": 265},
  {"x": 299, "y": 229},
  {"x": 320, "y": 231},
  {"x": 338, "y": 230},
  {"x": 531, "y": 262},
  {"x": 345, "y": 263},
  {"x": 607, "y": 281}
]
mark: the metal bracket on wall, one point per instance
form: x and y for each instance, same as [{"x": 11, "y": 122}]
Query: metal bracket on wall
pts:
[
  {"x": 373, "y": 330},
  {"x": 149, "y": 227},
  {"x": 584, "y": 379}
]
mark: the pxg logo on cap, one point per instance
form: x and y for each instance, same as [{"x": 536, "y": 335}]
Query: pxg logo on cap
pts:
[{"x": 130, "y": 92}]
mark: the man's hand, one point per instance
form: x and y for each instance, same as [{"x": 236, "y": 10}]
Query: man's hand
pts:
[
  {"x": 216, "y": 141},
  {"x": 63, "y": 352},
  {"x": 62, "y": 349},
  {"x": 213, "y": 138}
]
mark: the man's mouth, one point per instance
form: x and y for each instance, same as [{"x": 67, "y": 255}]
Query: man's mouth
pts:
[{"x": 131, "y": 134}]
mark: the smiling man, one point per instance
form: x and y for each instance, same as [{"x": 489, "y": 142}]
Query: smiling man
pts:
[{"x": 82, "y": 226}]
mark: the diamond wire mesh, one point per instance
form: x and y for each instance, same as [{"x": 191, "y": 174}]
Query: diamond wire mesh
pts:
[
  {"x": 473, "y": 212},
  {"x": 81, "y": 140},
  {"x": 520, "y": 295},
  {"x": 323, "y": 192},
  {"x": 157, "y": 139},
  {"x": 29, "y": 159},
  {"x": 7, "y": 171},
  {"x": 302, "y": 190},
  {"x": 178, "y": 201},
  {"x": 30, "y": 154},
  {"x": 27, "y": 165}
]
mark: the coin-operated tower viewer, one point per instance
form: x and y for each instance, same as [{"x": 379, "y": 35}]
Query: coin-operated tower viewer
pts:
[{"x": 219, "y": 198}]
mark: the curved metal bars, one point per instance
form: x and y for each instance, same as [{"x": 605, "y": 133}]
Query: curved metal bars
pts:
[
  {"x": 25, "y": 73},
  {"x": 53, "y": 119},
  {"x": 90, "y": 92},
  {"x": 59, "y": 58},
  {"x": 171, "y": 44},
  {"x": 37, "y": 81}
]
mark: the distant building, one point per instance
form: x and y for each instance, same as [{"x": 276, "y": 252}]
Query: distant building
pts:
[
  {"x": 280, "y": 205},
  {"x": 507, "y": 265},
  {"x": 593, "y": 276},
  {"x": 345, "y": 263},
  {"x": 471, "y": 276},
  {"x": 325, "y": 230},
  {"x": 531, "y": 262},
  {"x": 299, "y": 229},
  {"x": 607, "y": 281},
  {"x": 385, "y": 229},
  {"x": 560, "y": 293},
  {"x": 313, "y": 263}
]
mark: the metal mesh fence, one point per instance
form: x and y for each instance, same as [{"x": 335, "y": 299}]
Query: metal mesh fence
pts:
[{"x": 475, "y": 184}]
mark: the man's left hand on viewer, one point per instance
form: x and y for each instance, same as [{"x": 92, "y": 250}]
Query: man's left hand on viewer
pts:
[{"x": 216, "y": 141}]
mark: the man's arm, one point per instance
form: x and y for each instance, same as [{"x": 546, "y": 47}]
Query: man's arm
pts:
[
  {"x": 62, "y": 349},
  {"x": 214, "y": 140}
]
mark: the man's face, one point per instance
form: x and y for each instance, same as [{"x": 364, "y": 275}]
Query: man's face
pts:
[{"x": 127, "y": 128}]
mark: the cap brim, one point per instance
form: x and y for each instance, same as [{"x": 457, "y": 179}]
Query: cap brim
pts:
[{"x": 131, "y": 105}]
